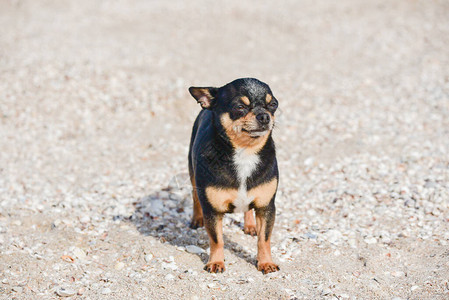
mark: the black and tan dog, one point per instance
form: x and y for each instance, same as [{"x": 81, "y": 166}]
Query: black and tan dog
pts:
[{"x": 232, "y": 164}]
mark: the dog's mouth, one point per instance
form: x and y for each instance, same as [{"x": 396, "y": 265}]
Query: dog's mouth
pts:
[{"x": 255, "y": 133}]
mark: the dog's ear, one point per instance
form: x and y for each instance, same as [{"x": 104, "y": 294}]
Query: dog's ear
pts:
[{"x": 204, "y": 95}]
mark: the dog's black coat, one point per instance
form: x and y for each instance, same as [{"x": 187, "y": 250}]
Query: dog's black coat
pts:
[{"x": 211, "y": 153}]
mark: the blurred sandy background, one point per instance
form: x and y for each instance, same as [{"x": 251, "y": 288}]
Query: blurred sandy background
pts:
[{"x": 95, "y": 120}]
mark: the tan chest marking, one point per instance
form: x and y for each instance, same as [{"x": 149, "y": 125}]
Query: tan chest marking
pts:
[
  {"x": 221, "y": 198},
  {"x": 261, "y": 195}
]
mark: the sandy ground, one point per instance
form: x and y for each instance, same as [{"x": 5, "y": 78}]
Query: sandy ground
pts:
[{"x": 95, "y": 120}]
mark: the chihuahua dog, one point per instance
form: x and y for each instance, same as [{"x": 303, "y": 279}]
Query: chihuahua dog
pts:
[{"x": 232, "y": 165}]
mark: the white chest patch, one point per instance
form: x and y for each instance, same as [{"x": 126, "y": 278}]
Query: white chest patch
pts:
[{"x": 246, "y": 164}]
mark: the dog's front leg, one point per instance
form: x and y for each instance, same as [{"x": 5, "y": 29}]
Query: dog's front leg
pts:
[
  {"x": 214, "y": 226},
  {"x": 264, "y": 225}
]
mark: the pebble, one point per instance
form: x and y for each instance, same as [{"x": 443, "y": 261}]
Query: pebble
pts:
[
  {"x": 352, "y": 243},
  {"x": 120, "y": 265},
  {"x": 311, "y": 236},
  {"x": 148, "y": 257},
  {"x": 85, "y": 219},
  {"x": 333, "y": 236},
  {"x": 65, "y": 292},
  {"x": 79, "y": 253},
  {"x": 371, "y": 240},
  {"x": 195, "y": 249},
  {"x": 16, "y": 222},
  {"x": 414, "y": 288},
  {"x": 397, "y": 274},
  {"x": 169, "y": 277},
  {"x": 309, "y": 161},
  {"x": 386, "y": 240},
  {"x": 326, "y": 292},
  {"x": 170, "y": 265},
  {"x": 106, "y": 291},
  {"x": 212, "y": 285}
]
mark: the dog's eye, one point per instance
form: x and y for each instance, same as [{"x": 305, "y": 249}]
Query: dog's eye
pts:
[
  {"x": 273, "y": 104},
  {"x": 241, "y": 107}
]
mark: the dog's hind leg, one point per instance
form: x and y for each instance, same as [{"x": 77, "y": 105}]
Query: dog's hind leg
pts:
[
  {"x": 250, "y": 223},
  {"x": 197, "y": 217}
]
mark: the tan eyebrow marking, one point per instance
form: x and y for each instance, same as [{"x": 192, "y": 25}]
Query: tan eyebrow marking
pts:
[
  {"x": 268, "y": 98},
  {"x": 245, "y": 100}
]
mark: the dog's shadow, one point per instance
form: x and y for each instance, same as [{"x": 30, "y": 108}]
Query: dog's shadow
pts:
[{"x": 166, "y": 215}]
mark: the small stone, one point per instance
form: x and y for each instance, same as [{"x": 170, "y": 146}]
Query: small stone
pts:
[
  {"x": 85, "y": 219},
  {"x": 326, "y": 292},
  {"x": 163, "y": 195},
  {"x": 17, "y": 289},
  {"x": 171, "y": 266},
  {"x": 414, "y": 288},
  {"x": 81, "y": 291},
  {"x": 311, "y": 212},
  {"x": 309, "y": 161},
  {"x": 397, "y": 274},
  {"x": 430, "y": 184},
  {"x": 63, "y": 292},
  {"x": 16, "y": 222},
  {"x": 212, "y": 285},
  {"x": 371, "y": 240},
  {"x": 311, "y": 236},
  {"x": 386, "y": 240},
  {"x": 106, "y": 291},
  {"x": 169, "y": 277},
  {"x": 79, "y": 253},
  {"x": 148, "y": 257},
  {"x": 120, "y": 265},
  {"x": 352, "y": 243},
  {"x": 195, "y": 249},
  {"x": 333, "y": 236}
]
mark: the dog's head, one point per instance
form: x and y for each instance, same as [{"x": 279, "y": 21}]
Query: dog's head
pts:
[{"x": 245, "y": 108}]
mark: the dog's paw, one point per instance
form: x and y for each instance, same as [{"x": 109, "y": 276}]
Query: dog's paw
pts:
[
  {"x": 267, "y": 267},
  {"x": 198, "y": 222},
  {"x": 250, "y": 229},
  {"x": 215, "y": 267}
]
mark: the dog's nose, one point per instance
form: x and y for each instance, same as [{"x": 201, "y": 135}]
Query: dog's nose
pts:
[{"x": 263, "y": 118}]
